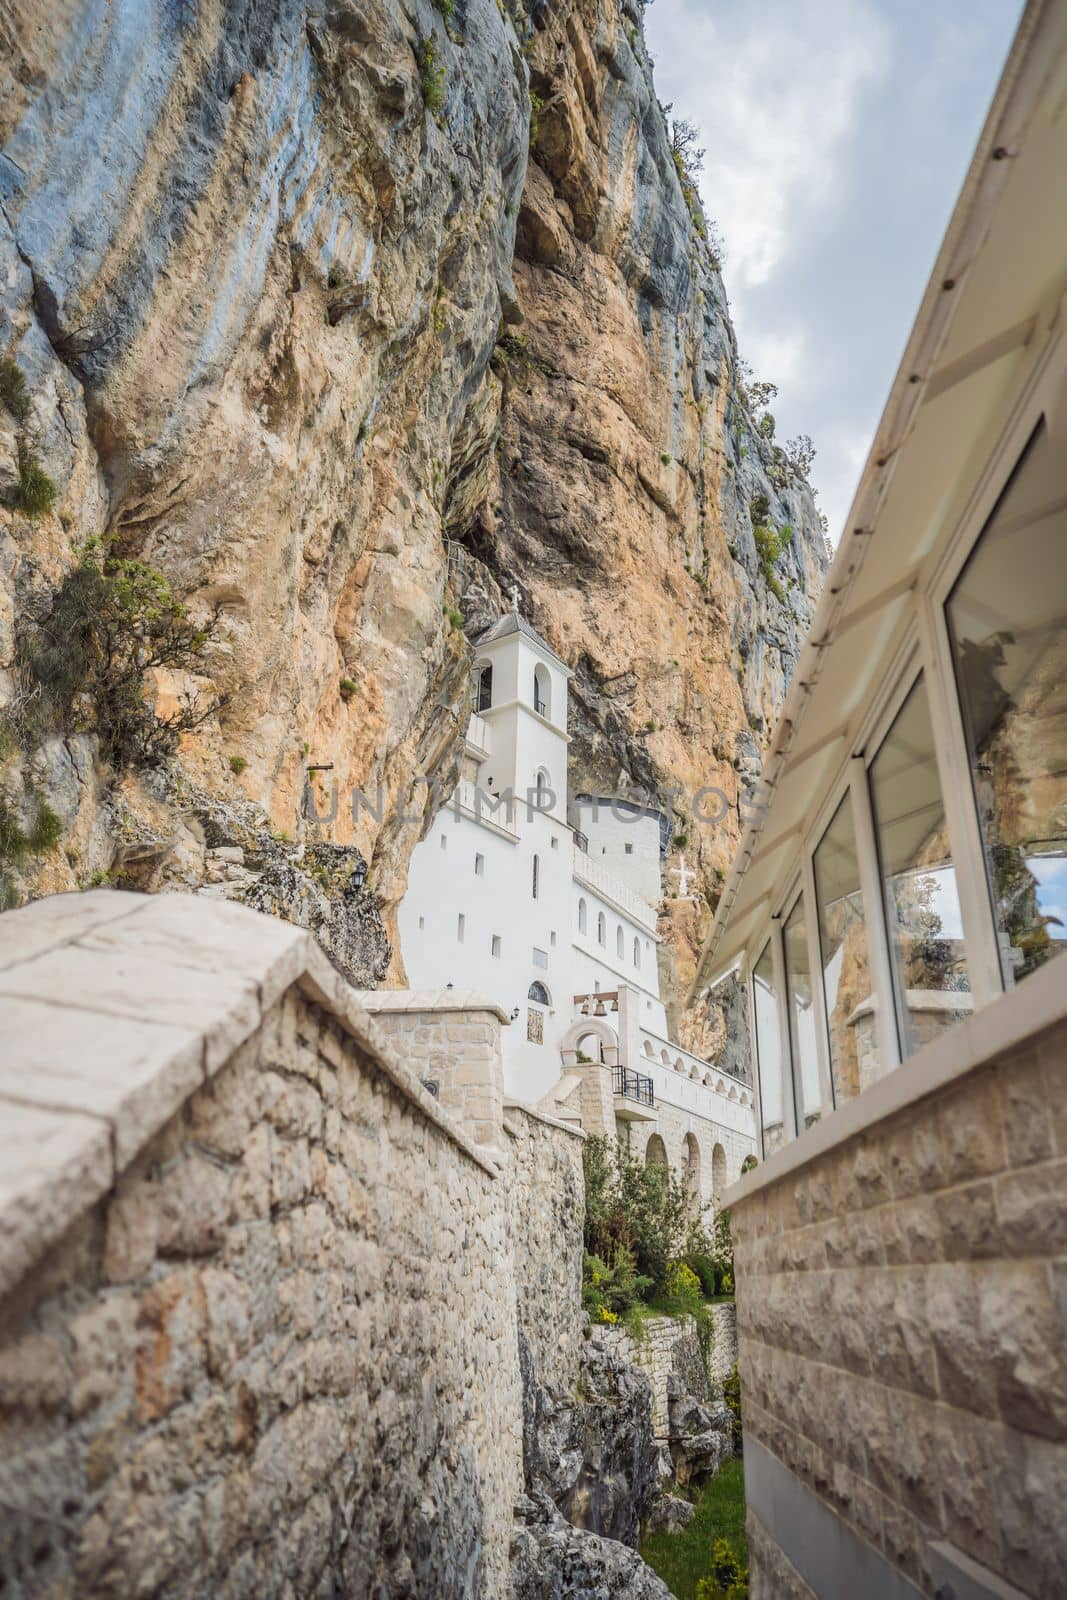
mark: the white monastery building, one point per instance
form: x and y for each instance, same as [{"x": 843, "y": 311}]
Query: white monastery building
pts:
[{"x": 548, "y": 907}]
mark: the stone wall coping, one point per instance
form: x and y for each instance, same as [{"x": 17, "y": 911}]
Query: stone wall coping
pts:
[
  {"x": 540, "y": 1116},
  {"x": 1006, "y": 1023},
  {"x": 115, "y": 1008},
  {"x": 390, "y": 1001}
]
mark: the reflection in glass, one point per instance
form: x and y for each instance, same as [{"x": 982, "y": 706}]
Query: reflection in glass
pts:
[
  {"x": 846, "y": 973},
  {"x": 768, "y": 1053},
  {"x": 1007, "y": 619},
  {"x": 922, "y": 907},
  {"x": 802, "y": 1015}
]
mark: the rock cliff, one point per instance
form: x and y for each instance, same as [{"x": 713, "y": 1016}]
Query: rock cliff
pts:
[{"x": 344, "y": 316}]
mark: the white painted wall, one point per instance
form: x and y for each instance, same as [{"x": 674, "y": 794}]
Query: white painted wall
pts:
[
  {"x": 625, "y": 840},
  {"x": 538, "y": 940}
]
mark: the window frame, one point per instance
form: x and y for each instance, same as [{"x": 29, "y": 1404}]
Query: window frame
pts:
[{"x": 921, "y": 646}]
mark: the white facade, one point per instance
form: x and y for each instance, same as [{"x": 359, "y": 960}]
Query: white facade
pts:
[{"x": 504, "y": 897}]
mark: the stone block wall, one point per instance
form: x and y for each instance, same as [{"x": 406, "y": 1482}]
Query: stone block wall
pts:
[
  {"x": 452, "y": 1039},
  {"x": 265, "y": 1339},
  {"x": 722, "y": 1354},
  {"x": 901, "y": 1308},
  {"x": 546, "y": 1215},
  {"x": 670, "y": 1345}
]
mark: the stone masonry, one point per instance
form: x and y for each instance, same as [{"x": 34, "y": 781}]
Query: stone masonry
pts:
[
  {"x": 901, "y": 1307},
  {"x": 671, "y": 1347},
  {"x": 452, "y": 1038},
  {"x": 259, "y": 1322}
]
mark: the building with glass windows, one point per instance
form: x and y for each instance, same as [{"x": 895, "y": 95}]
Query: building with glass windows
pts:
[{"x": 897, "y": 908}]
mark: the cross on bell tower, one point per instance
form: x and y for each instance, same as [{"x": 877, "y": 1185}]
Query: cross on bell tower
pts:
[{"x": 515, "y": 598}]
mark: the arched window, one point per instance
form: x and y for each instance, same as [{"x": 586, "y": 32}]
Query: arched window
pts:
[
  {"x": 542, "y": 791},
  {"x": 539, "y": 994},
  {"x": 536, "y": 876},
  {"x": 637, "y": 952},
  {"x": 601, "y": 928},
  {"x": 620, "y": 942},
  {"x": 542, "y": 692},
  {"x": 583, "y": 916},
  {"x": 484, "y": 697}
]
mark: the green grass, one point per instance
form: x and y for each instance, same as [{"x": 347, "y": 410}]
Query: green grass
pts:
[{"x": 682, "y": 1559}]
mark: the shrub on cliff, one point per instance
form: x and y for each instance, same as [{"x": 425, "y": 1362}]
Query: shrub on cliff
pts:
[
  {"x": 83, "y": 664},
  {"x": 637, "y": 1207}
]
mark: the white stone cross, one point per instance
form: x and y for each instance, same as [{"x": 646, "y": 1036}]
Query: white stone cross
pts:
[
  {"x": 681, "y": 872},
  {"x": 515, "y": 598}
]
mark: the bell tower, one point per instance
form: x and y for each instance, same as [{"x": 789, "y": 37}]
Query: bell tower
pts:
[{"x": 521, "y": 690}]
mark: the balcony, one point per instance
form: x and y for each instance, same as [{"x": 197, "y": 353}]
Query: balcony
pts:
[
  {"x": 477, "y": 739},
  {"x": 637, "y": 1094}
]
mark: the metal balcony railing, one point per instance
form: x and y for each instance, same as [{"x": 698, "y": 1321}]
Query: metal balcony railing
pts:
[{"x": 633, "y": 1085}]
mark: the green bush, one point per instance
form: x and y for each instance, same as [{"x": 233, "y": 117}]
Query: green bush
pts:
[
  {"x": 731, "y": 1393},
  {"x": 682, "y": 1293},
  {"x": 537, "y": 105},
  {"x": 432, "y": 77},
  {"x": 706, "y": 1269},
  {"x": 640, "y": 1208},
  {"x": 35, "y": 493},
  {"x": 16, "y": 841},
  {"x": 237, "y": 765},
  {"x": 14, "y": 395},
  {"x": 610, "y": 1291},
  {"x": 729, "y": 1580},
  {"x": 83, "y": 664}
]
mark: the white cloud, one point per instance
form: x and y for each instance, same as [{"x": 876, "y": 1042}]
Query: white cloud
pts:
[{"x": 775, "y": 98}]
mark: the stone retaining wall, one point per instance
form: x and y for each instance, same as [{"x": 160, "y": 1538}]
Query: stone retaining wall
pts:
[
  {"x": 722, "y": 1354},
  {"x": 901, "y": 1307},
  {"x": 670, "y": 1345},
  {"x": 260, "y": 1329}
]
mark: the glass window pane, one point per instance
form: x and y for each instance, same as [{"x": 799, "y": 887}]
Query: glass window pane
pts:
[
  {"x": 846, "y": 969},
  {"x": 802, "y": 1016},
  {"x": 768, "y": 1052},
  {"x": 922, "y": 907},
  {"x": 1007, "y": 618}
]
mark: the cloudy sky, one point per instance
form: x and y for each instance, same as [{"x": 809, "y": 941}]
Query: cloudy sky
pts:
[{"x": 837, "y": 135}]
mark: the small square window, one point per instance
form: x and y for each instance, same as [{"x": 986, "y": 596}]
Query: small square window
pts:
[
  {"x": 496, "y": 944},
  {"x": 461, "y": 927},
  {"x": 444, "y": 841},
  {"x": 540, "y": 957},
  {"x": 552, "y": 940},
  {"x": 555, "y": 842},
  {"x": 629, "y": 849},
  {"x": 422, "y": 923},
  {"x": 479, "y": 866}
]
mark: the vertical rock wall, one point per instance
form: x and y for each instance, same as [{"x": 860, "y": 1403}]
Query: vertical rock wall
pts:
[{"x": 345, "y": 317}]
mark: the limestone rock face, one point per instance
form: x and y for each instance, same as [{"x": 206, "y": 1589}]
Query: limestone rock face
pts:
[
  {"x": 308, "y": 325},
  {"x": 594, "y": 1457},
  {"x": 550, "y": 1560},
  {"x": 701, "y": 1437}
]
